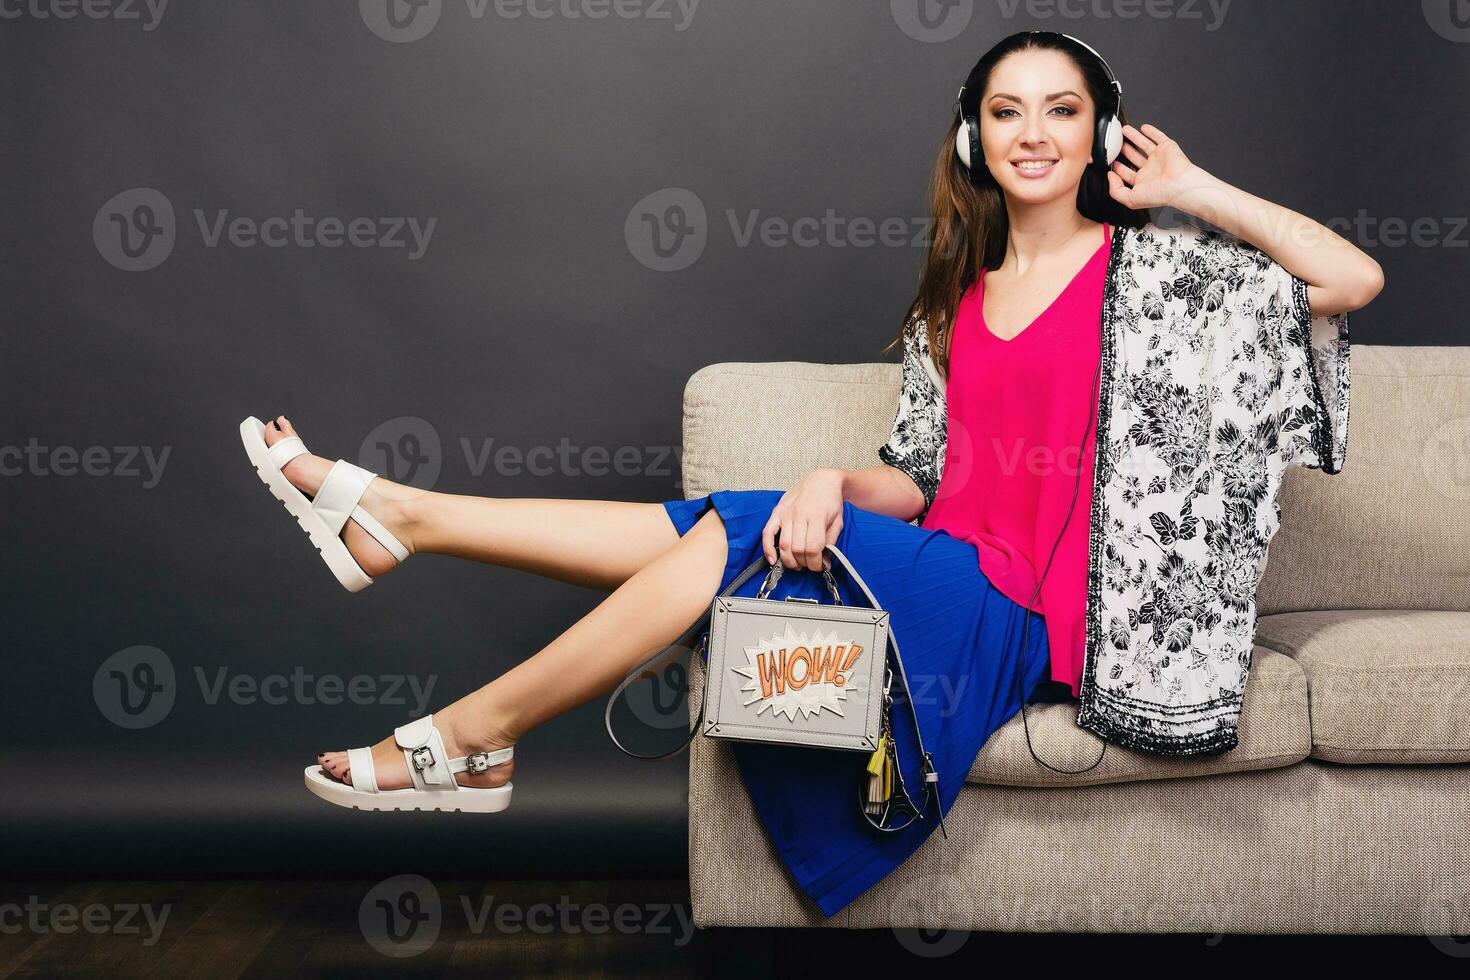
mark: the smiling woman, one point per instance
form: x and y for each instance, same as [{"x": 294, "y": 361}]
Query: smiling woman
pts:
[{"x": 1042, "y": 278}]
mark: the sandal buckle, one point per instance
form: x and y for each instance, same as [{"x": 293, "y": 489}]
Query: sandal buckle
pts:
[
  {"x": 477, "y": 762},
  {"x": 423, "y": 758}
]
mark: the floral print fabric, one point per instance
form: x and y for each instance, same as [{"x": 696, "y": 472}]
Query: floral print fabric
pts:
[{"x": 1216, "y": 378}]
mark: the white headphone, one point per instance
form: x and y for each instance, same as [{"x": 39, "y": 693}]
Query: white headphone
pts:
[{"x": 1107, "y": 141}]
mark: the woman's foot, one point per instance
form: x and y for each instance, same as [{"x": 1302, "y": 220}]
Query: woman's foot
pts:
[
  {"x": 384, "y": 500},
  {"x": 392, "y": 771}
]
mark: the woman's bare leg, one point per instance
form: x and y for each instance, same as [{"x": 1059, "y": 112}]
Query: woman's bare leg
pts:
[
  {"x": 651, "y": 609},
  {"x": 598, "y": 544}
]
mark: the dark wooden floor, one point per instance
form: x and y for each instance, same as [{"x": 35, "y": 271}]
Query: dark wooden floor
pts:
[
  {"x": 336, "y": 928},
  {"x": 413, "y": 927}
]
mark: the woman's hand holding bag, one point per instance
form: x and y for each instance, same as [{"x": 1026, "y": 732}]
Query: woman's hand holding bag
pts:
[{"x": 809, "y": 518}]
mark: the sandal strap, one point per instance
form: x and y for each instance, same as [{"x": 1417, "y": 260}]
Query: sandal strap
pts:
[
  {"x": 385, "y": 537},
  {"x": 339, "y": 493},
  {"x": 284, "y": 451},
  {"x": 338, "y": 498},
  {"x": 364, "y": 772},
  {"x": 482, "y": 761},
  {"x": 429, "y": 765},
  {"x": 424, "y": 753}
]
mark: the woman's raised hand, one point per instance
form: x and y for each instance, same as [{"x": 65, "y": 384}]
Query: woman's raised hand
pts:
[
  {"x": 808, "y": 517},
  {"x": 1151, "y": 171}
]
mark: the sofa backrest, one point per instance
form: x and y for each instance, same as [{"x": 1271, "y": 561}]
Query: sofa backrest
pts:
[{"x": 1391, "y": 531}]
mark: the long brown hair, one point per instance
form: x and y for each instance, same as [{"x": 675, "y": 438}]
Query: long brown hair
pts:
[{"x": 970, "y": 222}]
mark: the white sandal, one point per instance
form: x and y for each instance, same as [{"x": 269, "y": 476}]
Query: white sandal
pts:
[
  {"x": 323, "y": 516},
  {"x": 432, "y": 771}
]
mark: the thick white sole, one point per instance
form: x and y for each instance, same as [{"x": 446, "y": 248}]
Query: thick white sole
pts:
[
  {"x": 466, "y": 799},
  {"x": 331, "y": 547}
]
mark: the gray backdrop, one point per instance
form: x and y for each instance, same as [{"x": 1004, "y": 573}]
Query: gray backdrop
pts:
[{"x": 543, "y": 141}]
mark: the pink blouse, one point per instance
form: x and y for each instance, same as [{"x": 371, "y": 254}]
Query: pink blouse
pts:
[{"x": 1016, "y": 411}]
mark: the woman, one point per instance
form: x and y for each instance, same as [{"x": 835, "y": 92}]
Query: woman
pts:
[{"x": 984, "y": 449}]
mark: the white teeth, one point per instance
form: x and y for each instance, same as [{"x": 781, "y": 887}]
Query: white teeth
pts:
[{"x": 1035, "y": 164}]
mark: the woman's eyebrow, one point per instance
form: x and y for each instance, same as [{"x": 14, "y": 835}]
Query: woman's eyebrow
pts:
[{"x": 1054, "y": 95}]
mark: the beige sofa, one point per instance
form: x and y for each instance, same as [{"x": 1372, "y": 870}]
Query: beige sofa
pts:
[{"x": 1345, "y": 807}]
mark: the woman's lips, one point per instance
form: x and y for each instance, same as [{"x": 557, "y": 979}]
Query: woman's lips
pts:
[{"x": 1034, "y": 172}]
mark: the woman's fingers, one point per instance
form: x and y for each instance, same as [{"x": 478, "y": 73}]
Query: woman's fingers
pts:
[
  {"x": 816, "y": 544},
  {"x": 788, "y": 557},
  {"x": 1141, "y": 138}
]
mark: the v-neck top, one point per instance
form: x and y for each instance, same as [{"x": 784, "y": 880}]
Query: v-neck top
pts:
[{"x": 1016, "y": 410}]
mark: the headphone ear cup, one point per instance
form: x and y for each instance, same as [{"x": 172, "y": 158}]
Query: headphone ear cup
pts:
[
  {"x": 1112, "y": 140},
  {"x": 962, "y": 143}
]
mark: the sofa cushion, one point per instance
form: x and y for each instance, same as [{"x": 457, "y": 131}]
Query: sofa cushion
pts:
[
  {"x": 1386, "y": 685},
  {"x": 1274, "y": 731}
]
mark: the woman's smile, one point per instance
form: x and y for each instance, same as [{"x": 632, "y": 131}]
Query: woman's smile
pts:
[{"x": 1033, "y": 168}]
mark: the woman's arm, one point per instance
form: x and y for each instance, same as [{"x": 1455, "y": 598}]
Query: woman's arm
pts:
[
  {"x": 1340, "y": 276},
  {"x": 884, "y": 489},
  {"x": 913, "y": 456}
]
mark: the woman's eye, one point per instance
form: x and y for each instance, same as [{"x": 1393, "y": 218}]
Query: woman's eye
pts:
[{"x": 1069, "y": 110}]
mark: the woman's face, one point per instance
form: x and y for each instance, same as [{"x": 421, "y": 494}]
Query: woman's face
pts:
[{"x": 1036, "y": 106}]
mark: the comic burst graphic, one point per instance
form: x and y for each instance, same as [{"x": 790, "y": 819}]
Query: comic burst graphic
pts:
[{"x": 799, "y": 673}]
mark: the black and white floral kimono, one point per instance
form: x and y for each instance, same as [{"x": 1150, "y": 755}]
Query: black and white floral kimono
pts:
[{"x": 1215, "y": 377}]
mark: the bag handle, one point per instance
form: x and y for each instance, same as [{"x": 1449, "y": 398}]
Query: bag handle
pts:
[{"x": 931, "y": 775}]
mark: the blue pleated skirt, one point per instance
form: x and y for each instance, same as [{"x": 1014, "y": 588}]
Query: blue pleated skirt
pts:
[{"x": 961, "y": 643}]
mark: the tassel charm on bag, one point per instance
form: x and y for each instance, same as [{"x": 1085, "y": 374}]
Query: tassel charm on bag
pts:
[
  {"x": 883, "y": 763},
  {"x": 880, "y": 776}
]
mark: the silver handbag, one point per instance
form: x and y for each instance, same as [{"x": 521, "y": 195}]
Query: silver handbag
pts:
[{"x": 798, "y": 672}]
